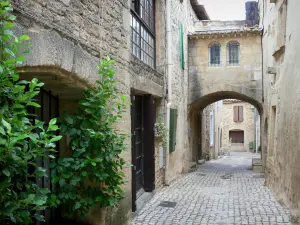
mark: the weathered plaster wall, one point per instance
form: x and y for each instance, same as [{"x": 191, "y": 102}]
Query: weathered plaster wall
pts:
[
  {"x": 281, "y": 93},
  {"x": 181, "y": 13},
  {"x": 247, "y": 125}
]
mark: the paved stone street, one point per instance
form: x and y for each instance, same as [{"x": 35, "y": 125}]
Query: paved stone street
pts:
[{"x": 223, "y": 191}]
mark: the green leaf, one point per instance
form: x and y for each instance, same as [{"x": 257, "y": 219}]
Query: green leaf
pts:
[
  {"x": 34, "y": 104},
  {"x": 77, "y": 205},
  {"x": 39, "y": 217},
  {"x": 2, "y": 131},
  {"x": 24, "y": 213},
  {"x": 55, "y": 180},
  {"x": 6, "y": 125},
  {"x": 6, "y": 172},
  {"x": 24, "y": 38},
  {"x": 11, "y": 17},
  {"x": 8, "y": 25},
  {"x": 69, "y": 119},
  {"x": 84, "y": 173},
  {"x": 62, "y": 182},
  {"x": 57, "y": 138},
  {"x": 93, "y": 163},
  {"x": 53, "y": 121},
  {"x": 39, "y": 200},
  {"x": 44, "y": 191},
  {"x": 41, "y": 172}
]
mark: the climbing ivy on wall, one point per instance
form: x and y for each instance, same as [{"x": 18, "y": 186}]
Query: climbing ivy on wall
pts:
[
  {"x": 92, "y": 173},
  {"x": 23, "y": 139}
]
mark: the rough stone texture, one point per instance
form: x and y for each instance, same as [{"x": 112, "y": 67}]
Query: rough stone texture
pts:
[
  {"x": 220, "y": 192},
  {"x": 211, "y": 84},
  {"x": 281, "y": 50},
  {"x": 247, "y": 125}
]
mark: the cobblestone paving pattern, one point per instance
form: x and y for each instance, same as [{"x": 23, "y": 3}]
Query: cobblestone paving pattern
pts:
[{"x": 220, "y": 192}]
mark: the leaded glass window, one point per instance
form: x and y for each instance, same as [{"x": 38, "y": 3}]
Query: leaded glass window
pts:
[
  {"x": 233, "y": 53},
  {"x": 215, "y": 54}
]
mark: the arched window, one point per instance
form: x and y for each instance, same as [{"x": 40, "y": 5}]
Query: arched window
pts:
[
  {"x": 233, "y": 53},
  {"x": 214, "y": 54}
]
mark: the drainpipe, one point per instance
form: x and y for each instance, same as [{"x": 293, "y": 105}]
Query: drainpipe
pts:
[{"x": 169, "y": 78}]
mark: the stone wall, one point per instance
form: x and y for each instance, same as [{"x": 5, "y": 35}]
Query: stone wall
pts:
[
  {"x": 281, "y": 59},
  {"x": 181, "y": 13}
]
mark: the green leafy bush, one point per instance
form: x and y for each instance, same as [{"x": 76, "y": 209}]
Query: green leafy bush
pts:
[
  {"x": 23, "y": 139},
  {"x": 92, "y": 173}
]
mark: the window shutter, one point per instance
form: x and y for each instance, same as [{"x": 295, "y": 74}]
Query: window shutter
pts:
[
  {"x": 181, "y": 46},
  {"x": 235, "y": 113},
  {"x": 241, "y": 114},
  {"x": 172, "y": 132}
]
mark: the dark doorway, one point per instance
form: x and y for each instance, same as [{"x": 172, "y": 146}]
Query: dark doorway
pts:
[
  {"x": 49, "y": 109},
  {"x": 236, "y": 136},
  {"x": 142, "y": 122}
]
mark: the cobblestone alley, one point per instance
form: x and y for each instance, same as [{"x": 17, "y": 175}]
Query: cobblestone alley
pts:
[{"x": 223, "y": 191}]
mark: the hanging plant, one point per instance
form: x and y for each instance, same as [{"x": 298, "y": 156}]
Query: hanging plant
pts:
[{"x": 162, "y": 132}]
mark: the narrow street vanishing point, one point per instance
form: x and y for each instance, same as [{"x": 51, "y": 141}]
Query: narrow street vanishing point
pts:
[{"x": 223, "y": 191}]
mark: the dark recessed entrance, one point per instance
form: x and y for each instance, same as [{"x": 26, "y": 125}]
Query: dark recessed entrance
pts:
[{"x": 142, "y": 123}]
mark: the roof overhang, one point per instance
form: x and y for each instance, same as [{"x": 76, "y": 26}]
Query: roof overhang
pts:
[
  {"x": 225, "y": 33},
  {"x": 199, "y": 10}
]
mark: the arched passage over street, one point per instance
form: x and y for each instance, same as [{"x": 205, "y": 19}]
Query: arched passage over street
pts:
[
  {"x": 202, "y": 102},
  {"x": 196, "y": 119}
]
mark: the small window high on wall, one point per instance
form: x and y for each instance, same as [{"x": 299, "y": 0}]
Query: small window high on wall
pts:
[
  {"x": 238, "y": 114},
  {"x": 214, "y": 54},
  {"x": 233, "y": 53},
  {"x": 143, "y": 31}
]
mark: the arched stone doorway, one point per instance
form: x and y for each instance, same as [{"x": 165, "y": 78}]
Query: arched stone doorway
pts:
[{"x": 60, "y": 93}]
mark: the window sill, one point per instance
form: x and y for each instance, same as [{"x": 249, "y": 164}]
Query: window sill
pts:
[
  {"x": 215, "y": 66},
  {"x": 135, "y": 58},
  {"x": 231, "y": 65}
]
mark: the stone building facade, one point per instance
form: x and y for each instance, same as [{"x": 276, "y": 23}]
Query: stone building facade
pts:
[
  {"x": 69, "y": 37},
  {"x": 220, "y": 123},
  {"x": 224, "y": 63},
  {"x": 281, "y": 79},
  {"x": 238, "y": 126}
]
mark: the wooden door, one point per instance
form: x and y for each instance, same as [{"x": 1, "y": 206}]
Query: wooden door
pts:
[
  {"x": 149, "y": 156},
  {"x": 137, "y": 147},
  {"x": 143, "y": 160}
]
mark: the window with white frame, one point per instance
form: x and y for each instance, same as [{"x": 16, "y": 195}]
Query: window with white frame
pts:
[
  {"x": 214, "y": 53},
  {"x": 142, "y": 30},
  {"x": 212, "y": 129},
  {"x": 233, "y": 53}
]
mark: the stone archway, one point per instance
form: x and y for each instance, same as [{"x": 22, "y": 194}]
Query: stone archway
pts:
[{"x": 196, "y": 109}]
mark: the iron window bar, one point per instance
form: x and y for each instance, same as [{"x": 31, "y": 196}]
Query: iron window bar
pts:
[{"x": 233, "y": 53}]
